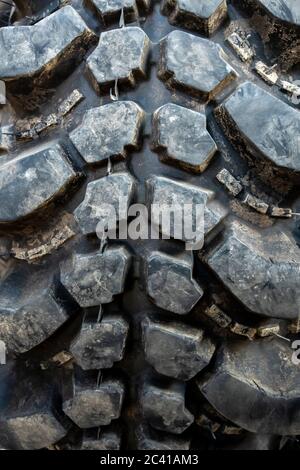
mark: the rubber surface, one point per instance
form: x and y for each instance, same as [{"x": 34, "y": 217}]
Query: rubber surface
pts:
[{"x": 141, "y": 344}]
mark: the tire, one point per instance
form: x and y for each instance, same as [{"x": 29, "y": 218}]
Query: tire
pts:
[{"x": 143, "y": 344}]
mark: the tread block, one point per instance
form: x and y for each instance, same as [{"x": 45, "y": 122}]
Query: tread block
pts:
[
  {"x": 40, "y": 242},
  {"x": 283, "y": 12},
  {"x": 164, "y": 408},
  {"x": 170, "y": 284},
  {"x": 101, "y": 196},
  {"x": 27, "y": 51},
  {"x": 28, "y": 417},
  {"x": 182, "y": 136},
  {"x": 100, "y": 344},
  {"x": 149, "y": 439},
  {"x": 196, "y": 65},
  {"x": 260, "y": 386},
  {"x": 107, "y": 439},
  {"x": 121, "y": 55},
  {"x": 94, "y": 279},
  {"x": 90, "y": 405},
  {"x": 108, "y": 131},
  {"x": 110, "y": 10},
  {"x": 30, "y": 312},
  {"x": 199, "y": 15},
  {"x": 176, "y": 350},
  {"x": 272, "y": 136},
  {"x": 261, "y": 270},
  {"x": 31, "y": 181},
  {"x": 165, "y": 192}
]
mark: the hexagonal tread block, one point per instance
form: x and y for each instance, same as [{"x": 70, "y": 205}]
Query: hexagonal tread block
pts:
[
  {"x": 260, "y": 269},
  {"x": 194, "y": 64},
  {"x": 164, "y": 408},
  {"x": 121, "y": 55},
  {"x": 110, "y": 10},
  {"x": 108, "y": 131},
  {"x": 101, "y": 198},
  {"x": 90, "y": 405},
  {"x": 29, "y": 417},
  {"x": 199, "y": 15},
  {"x": 33, "y": 311},
  {"x": 164, "y": 192},
  {"x": 30, "y": 182},
  {"x": 271, "y": 137},
  {"x": 100, "y": 344},
  {"x": 181, "y": 138},
  {"x": 106, "y": 439},
  {"x": 28, "y": 51},
  {"x": 94, "y": 279},
  {"x": 260, "y": 386},
  {"x": 169, "y": 283},
  {"x": 176, "y": 350}
]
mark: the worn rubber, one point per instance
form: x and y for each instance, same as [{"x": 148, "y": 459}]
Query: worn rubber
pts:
[{"x": 140, "y": 344}]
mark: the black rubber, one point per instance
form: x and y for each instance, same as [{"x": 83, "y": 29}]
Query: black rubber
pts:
[{"x": 141, "y": 344}]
